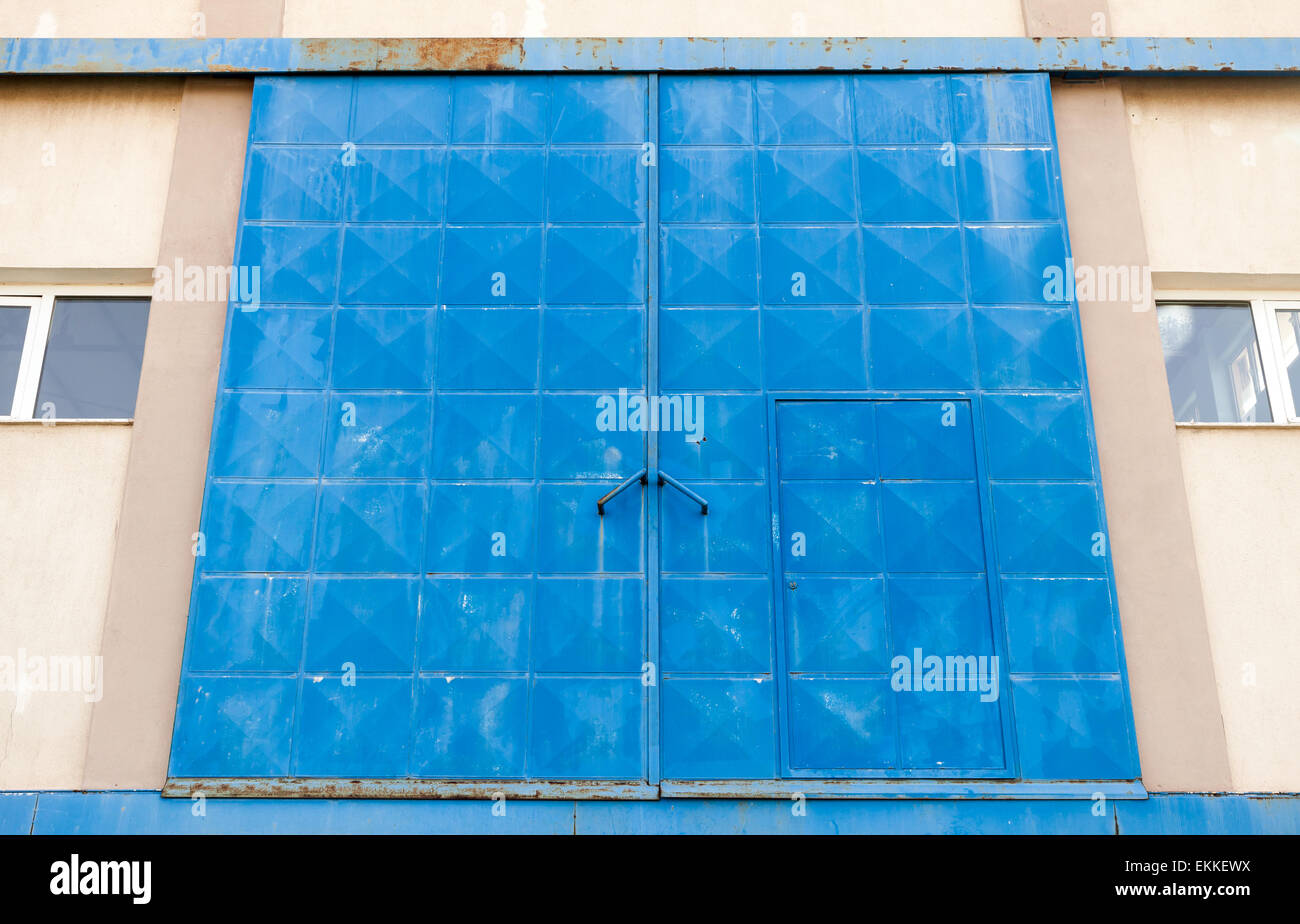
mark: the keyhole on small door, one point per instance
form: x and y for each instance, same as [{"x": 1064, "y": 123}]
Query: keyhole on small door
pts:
[{"x": 793, "y": 585}]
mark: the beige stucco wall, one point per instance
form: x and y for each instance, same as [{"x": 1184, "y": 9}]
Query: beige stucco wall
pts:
[
  {"x": 84, "y": 167},
  {"x": 1216, "y": 164},
  {"x": 1215, "y": 161},
  {"x": 59, "y": 502},
  {"x": 1242, "y": 488},
  {"x": 1205, "y": 17},
  {"x": 176, "y": 18},
  {"x": 94, "y": 18},
  {"x": 84, "y": 164},
  {"x": 668, "y": 17}
]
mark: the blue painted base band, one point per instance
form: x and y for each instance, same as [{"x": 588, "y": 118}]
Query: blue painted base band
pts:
[{"x": 149, "y": 813}]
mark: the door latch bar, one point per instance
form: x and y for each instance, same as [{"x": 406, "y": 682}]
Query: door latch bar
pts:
[
  {"x": 667, "y": 479},
  {"x": 638, "y": 477}
]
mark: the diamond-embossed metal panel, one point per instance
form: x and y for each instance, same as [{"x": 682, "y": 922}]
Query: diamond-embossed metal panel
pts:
[
  {"x": 879, "y": 244},
  {"x": 403, "y": 575}
]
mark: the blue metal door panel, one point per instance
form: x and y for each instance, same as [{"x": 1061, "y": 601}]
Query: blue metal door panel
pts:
[
  {"x": 882, "y": 557},
  {"x": 865, "y": 255},
  {"x": 403, "y": 576}
]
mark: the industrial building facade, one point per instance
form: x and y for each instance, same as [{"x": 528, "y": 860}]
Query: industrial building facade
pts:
[{"x": 650, "y": 433}]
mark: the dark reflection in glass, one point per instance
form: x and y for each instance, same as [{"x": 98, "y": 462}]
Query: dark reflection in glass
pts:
[
  {"x": 13, "y": 331},
  {"x": 92, "y": 358}
]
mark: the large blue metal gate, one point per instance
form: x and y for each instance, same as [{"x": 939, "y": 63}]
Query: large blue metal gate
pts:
[{"x": 801, "y": 320}]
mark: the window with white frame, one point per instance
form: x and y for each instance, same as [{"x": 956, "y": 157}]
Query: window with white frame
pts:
[
  {"x": 68, "y": 354},
  {"x": 1232, "y": 361}
]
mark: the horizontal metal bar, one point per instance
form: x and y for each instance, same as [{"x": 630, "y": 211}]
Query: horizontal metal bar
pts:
[
  {"x": 330, "y": 788},
  {"x": 354, "y": 55},
  {"x": 665, "y": 478},
  {"x": 303, "y": 788},
  {"x": 600, "y": 504},
  {"x": 898, "y": 789}
]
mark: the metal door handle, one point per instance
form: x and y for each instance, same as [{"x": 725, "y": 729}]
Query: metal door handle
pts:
[
  {"x": 600, "y": 504},
  {"x": 667, "y": 479}
]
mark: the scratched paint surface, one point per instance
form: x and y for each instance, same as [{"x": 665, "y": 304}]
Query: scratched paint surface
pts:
[{"x": 404, "y": 575}]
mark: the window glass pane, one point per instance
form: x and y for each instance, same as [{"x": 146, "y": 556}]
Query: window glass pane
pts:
[
  {"x": 13, "y": 331},
  {"x": 92, "y": 359},
  {"x": 1288, "y": 329},
  {"x": 1212, "y": 359}
]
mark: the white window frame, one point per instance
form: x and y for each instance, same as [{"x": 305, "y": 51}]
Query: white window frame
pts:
[
  {"x": 39, "y": 300},
  {"x": 1267, "y": 310}
]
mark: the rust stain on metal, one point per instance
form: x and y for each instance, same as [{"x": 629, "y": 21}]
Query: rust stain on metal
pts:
[
  {"x": 337, "y": 788},
  {"x": 595, "y": 49},
  {"x": 434, "y": 54},
  {"x": 479, "y": 54}
]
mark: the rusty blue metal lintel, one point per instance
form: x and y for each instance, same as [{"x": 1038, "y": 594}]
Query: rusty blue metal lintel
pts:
[
  {"x": 40, "y": 56},
  {"x": 901, "y": 789},
  {"x": 332, "y": 788},
  {"x": 341, "y": 788}
]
